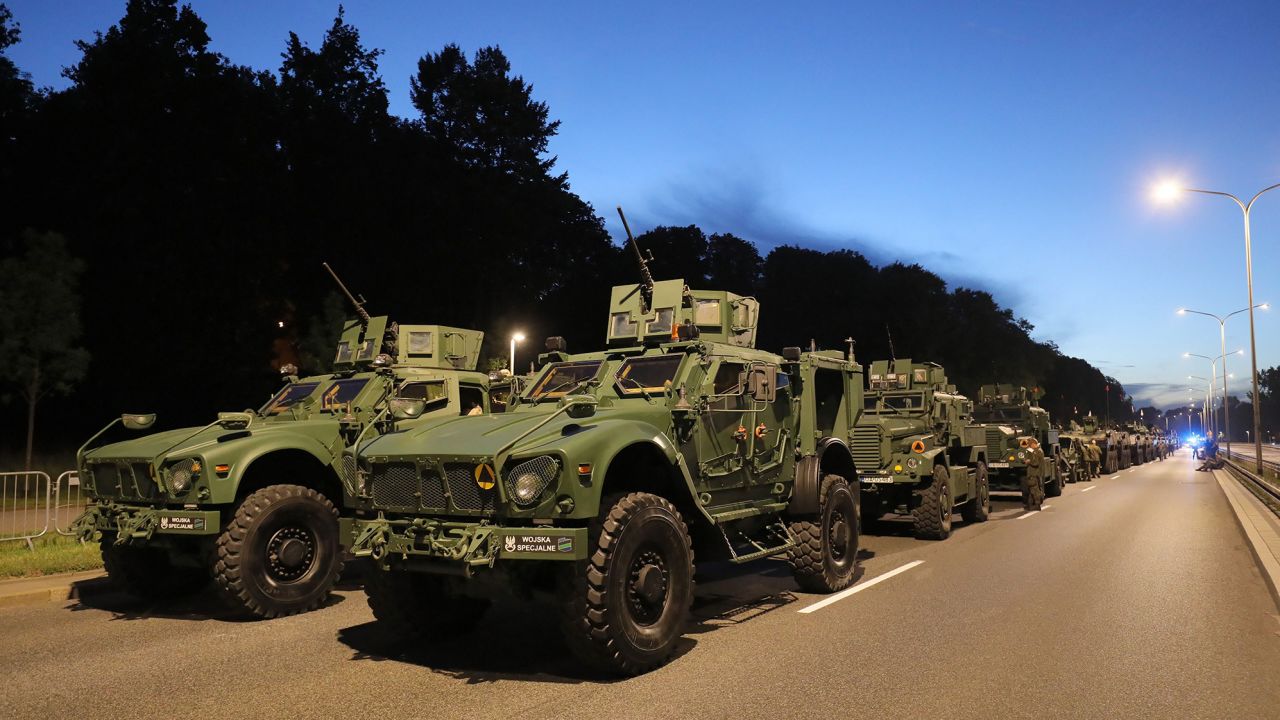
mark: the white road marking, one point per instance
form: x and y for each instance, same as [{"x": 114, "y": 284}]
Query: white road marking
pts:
[
  {"x": 858, "y": 588},
  {"x": 1132, "y": 469},
  {"x": 1095, "y": 487},
  {"x": 1045, "y": 506},
  {"x": 1027, "y": 515},
  {"x": 1113, "y": 477}
]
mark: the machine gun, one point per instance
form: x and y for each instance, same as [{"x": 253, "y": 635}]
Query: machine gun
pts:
[
  {"x": 646, "y": 277},
  {"x": 359, "y": 304}
]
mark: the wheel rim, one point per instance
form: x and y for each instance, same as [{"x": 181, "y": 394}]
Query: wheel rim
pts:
[
  {"x": 839, "y": 531},
  {"x": 944, "y": 506},
  {"x": 648, "y": 586},
  {"x": 291, "y": 553}
]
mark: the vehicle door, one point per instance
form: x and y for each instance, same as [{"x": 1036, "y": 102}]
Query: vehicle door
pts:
[{"x": 724, "y": 427}]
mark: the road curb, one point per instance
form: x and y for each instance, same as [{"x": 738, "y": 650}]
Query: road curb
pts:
[
  {"x": 51, "y": 588},
  {"x": 1248, "y": 519}
]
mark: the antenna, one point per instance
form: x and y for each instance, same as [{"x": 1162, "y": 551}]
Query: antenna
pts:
[
  {"x": 364, "y": 316},
  {"x": 646, "y": 277},
  {"x": 851, "y": 342},
  {"x": 892, "y": 356}
]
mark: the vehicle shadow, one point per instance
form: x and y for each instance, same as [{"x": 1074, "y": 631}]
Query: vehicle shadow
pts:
[
  {"x": 203, "y": 605},
  {"x": 520, "y": 640}
]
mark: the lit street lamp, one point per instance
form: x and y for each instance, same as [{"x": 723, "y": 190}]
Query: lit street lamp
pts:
[
  {"x": 1222, "y": 339},
  {"x": 1168, "y": 191},
  {"x": 1213, "y": 373},
  {"x": 1208, "y": 402},
  {"x": 517, "y": 338}
]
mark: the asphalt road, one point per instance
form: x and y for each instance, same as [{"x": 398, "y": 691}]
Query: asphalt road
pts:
[
  {"x": 1270, "y": 453},
  {"x": 1134, "y": 596}
]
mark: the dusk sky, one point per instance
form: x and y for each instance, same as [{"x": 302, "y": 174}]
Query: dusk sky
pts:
[{"x": 1004, "y": 146}]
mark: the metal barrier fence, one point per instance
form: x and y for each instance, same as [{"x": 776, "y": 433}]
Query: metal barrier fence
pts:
[
  {"x": 24, "y": 505},
  {"x": 33, "y": 505}
]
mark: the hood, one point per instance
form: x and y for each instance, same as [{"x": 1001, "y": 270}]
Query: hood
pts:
[
  {"x": 474, "y": 436},
  {"x": 899, "y": 427},
  {"x": 187, "y": 440}
]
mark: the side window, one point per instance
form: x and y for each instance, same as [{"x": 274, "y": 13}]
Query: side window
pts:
[
  {"x": 471, "y": 399},
  {"x": 433, "y": 392},
  {"x": 728, "y": 378},
  {"x": 499, "y": 397}
]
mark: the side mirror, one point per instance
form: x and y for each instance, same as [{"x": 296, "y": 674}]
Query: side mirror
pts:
[
  {"x": 578, "y": 406},
  {"x": 791, "y": 354},
  {"x": 234, "y": 420},
  {"x": 138, "y": 421},
  {"x": 407, "y": 408},
  {"x": 762, "y": 383}
]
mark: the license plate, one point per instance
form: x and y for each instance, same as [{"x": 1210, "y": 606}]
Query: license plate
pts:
[
  {"x": 997, "y": 465},
  {"x": 876, "y": 479}
]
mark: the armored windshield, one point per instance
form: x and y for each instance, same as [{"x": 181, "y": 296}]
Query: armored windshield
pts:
[
  {"x": 910, "y": 403},
  {"x": 342, "y": 392},
  {"x": 289, "y": 396},
  {"x": 561, "y": 378},
  {"x": 990, "y": 414},
  {"x": 647, "y": 374}
]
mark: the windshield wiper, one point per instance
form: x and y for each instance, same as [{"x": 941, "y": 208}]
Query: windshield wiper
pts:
[
  {"x": 639, "y": 386},
  {"x": 575, "y": 382}
]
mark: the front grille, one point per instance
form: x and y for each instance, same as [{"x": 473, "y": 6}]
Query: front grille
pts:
[
  {"x": 995, "y": 442},
  {"x": 106, "y": 480},
  {"x": 432, "y": 489},
  {"x": 395, "y": 484},
  {"x": 865, "y": 446},
  {"x": 350, "y": 476},
  {"x": 145, "y": 486},
  {"x": 466, "y": 494}
]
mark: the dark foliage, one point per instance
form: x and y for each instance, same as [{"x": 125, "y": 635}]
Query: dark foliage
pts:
[{"x": 202, "y": 197}]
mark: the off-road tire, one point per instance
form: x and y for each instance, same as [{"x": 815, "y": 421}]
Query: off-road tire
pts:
[
  {"x": 415, "y": 606},
  {"x": 826, "y": 552},
  {"x": 148, "y": 573},
  {"x": 1053, "y": 485},
  {"x": 610, "y": 616},
  {"x": 932, "y": 516},
  {"x": 258, "y": 569},
  {"x": 978, "y": 508}
]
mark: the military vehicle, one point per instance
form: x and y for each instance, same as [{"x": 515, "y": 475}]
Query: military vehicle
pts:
[
  {"x": 1074, "y": 458},
  {"x": 1108, "y": 441},
  {"x": 249, "y": 498},
  {"x": 1002, "y": 408},
  {"x": 609, "y": 470},
  {"x": 917, "y": 450}
]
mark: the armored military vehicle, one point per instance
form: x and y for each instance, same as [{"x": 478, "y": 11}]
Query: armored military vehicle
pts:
[
  {"x": 249, "y": 498},
  {"x": 917, "y": 450},
  {"x": 1108, "y": 441},
  {"x": 1004, "y": 407},
  {"x": 606, "y": 473}
]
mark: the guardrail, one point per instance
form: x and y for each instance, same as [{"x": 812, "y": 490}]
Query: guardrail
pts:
[
  {"x": 32, "y": 505},
  {"x": 1271, "y": 465},
  {"x": 1266, "y": 486}
]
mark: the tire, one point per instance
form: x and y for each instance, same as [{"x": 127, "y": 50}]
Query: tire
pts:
[
  {"x": 978, "y": 508},
  {"x": 932, "y": 516},
  {"x": 625, "y": 607},
  {"x": 148, "y": 573},
  {"x": 826, "y": 551},
  {"x": 1053, "y": 485},
  {"x": 416, "y": 606},
  {"x": 280, "y": 554}
]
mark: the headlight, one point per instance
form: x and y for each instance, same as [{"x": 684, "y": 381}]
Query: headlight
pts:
[
  {"x": 1022, "y": 455},
  {"x": 913, "y": 463},
  {"x": 527, "y": 481},
  {"x": 183, "y": 475}
]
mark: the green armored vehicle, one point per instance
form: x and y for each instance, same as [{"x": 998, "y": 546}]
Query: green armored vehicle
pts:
[
  {"x": 917, "y": 450},
  {"x": 604, "y": 475},
  {"x": 1004, "y": 408},
  {"x": 249, "y": 498},
  {"x": 1090, "y": 431}
]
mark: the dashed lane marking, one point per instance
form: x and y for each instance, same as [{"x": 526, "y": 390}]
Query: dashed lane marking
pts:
[
  {"x": 1027, "y": 514},
  {"x": 1089, "y": 488},
  {"x": 858, "y": 588},
  {"x": 1114, "y": 477}
]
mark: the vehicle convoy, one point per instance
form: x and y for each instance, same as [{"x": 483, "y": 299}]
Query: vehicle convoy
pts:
[
  {"x": 1108, "y": 442},
  {"x": 917, "y": 450},
  {"x": 1020, "y": 440},
  {"x": 607, "y": 473},
  {"x": 249, "y": 499}
]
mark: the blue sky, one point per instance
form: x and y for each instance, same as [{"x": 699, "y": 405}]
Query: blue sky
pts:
[{"x": 1004, "y": 145}]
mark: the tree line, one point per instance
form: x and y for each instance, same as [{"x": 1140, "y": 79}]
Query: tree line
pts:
[{"x": 188, "y": 201}]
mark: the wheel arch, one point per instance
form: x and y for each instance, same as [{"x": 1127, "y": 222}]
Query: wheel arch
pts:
[
  {"x": 292, "y": 466},
  {"x": 831, "y": 457}
]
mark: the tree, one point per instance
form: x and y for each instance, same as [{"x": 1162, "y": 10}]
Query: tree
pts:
[
  {"x": 40, "y": 322},
  {"x": 18, "y": 102}
]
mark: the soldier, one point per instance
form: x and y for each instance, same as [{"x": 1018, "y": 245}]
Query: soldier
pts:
[
  {"x": 1095, "y": 458},
  {"x": 1032, "y": 480}
]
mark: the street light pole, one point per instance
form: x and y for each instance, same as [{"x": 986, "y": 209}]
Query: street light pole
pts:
[
  {"x": 518, "y": 337},
  {"x": 1245, "y": 208},
  {"x": 1222, "y": 340}
]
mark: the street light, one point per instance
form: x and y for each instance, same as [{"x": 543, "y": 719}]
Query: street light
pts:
[
  {"x": 1208, "y": 399},
  {"x": 1222, "y": 339},
  {"x": 1168, "y": 192},
  {"x": 517, "y": 338}
]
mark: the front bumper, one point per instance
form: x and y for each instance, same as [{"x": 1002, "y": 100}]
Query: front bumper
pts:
[
  {"x": 459, "y": 545},
  {"x": 131, "y": 523}
]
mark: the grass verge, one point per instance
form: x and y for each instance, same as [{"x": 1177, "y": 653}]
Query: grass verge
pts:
[{"x": 56, "y": 554}]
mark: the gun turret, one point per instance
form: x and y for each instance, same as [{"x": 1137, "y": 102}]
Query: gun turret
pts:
[
  {"x": 646, "y": 277},
  {"x": 359, "y": 304}
]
